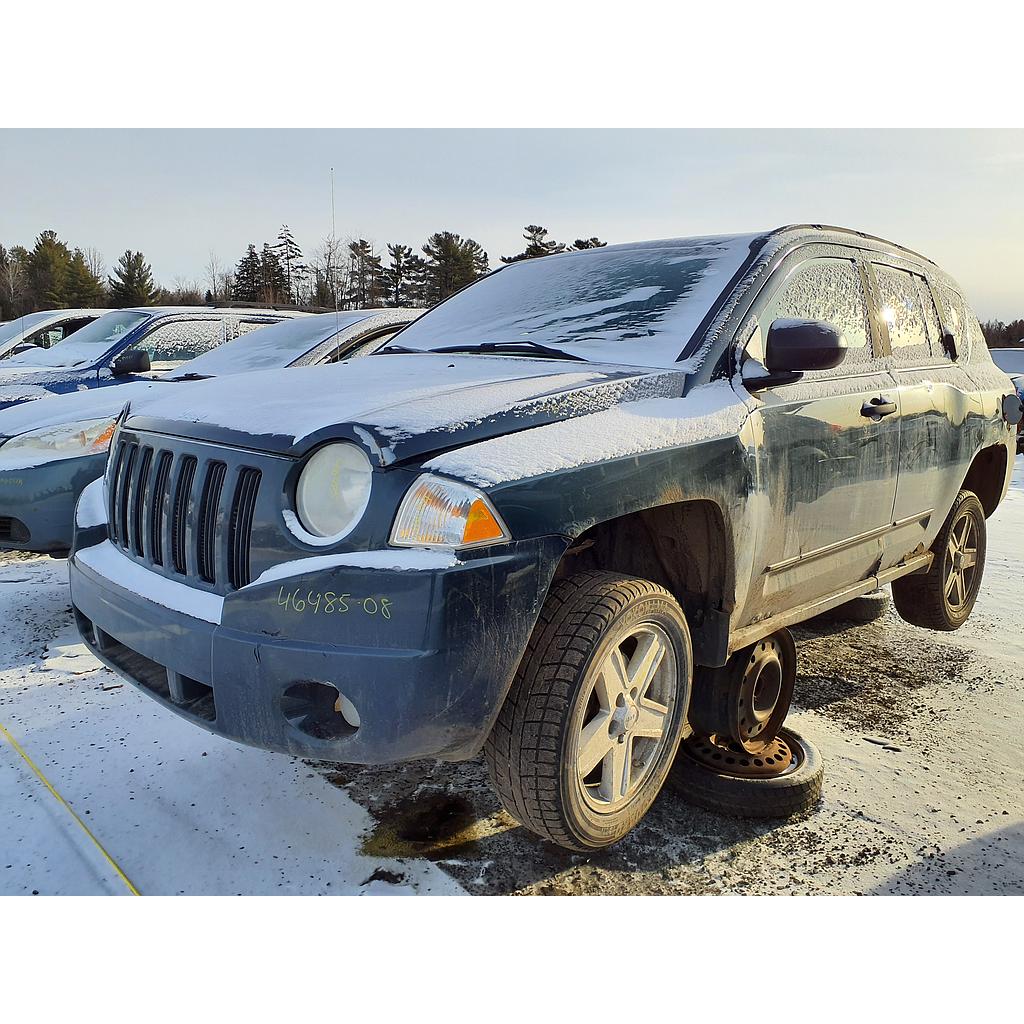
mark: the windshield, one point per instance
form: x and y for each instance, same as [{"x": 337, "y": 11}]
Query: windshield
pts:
[
  {"x": 13, "y": 330},
  {"x": 637, "y": 305},
  {"x": 269, "y": 347},
  {"x": 1009, "y": 360},
  {"x": 86, "y": 345}
]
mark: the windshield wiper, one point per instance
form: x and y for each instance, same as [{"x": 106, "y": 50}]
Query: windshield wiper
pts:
[
  {"x": 191, "y": 376},
  {"x": 513, "y": 348}
]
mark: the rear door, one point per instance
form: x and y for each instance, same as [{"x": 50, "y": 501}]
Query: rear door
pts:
[
  {"x": 936, "y": 397},
  {"x": 827, "y": 461}
]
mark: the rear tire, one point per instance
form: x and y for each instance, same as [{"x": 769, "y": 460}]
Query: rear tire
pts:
[
  {"x": 942, "y": 598},
  {"x": 777, "y": 796},
  {"x": 592, "y": 723}
]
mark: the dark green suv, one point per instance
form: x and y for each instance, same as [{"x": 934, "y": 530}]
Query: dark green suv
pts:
[{"x": 564, "y": 518}]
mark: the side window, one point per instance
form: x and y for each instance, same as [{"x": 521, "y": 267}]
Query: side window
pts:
[
  {"x": 828, "y": 290},
  {"x": 241, "y": 327},
  {"x": 956, "y": 319},
  {"x": 931, "y": 317},
  {"x": 899, "y": 299},
  {"x": 170, "y": 345},
  {"x": 364, "y": 348}
]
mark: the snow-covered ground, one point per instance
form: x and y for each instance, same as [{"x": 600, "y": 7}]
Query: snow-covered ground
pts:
[{"x": 924, "y": 786}]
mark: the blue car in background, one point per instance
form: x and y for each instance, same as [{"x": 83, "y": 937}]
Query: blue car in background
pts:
[
  {"x": 124, "y": 345},
  {"x": 1011, "y": 361},
  {"x": 49, "y": 451}
]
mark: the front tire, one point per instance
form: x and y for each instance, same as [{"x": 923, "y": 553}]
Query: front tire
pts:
[
  {"x": 943, "y": 598},
  {"x": 592, "y": 723}
]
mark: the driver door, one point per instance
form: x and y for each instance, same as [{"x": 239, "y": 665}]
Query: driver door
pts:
[{"x": 827, "y": 462}]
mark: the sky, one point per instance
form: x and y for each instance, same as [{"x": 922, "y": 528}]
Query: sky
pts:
[{"x": 955, "y": 196}]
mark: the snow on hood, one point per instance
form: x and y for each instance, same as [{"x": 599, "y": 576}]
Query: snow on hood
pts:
[
  {"x": 400, "y": 397},
  {"x": 631, "y": 428},
  {"x": 92, "y": 404}
]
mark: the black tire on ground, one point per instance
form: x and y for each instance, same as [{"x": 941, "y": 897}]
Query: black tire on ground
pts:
[
  {"x": 861, "y": 610},
  {"x": 925, "y": 599},
  {"x": 780, "y": 796},
  {"x": 534, "y": 749}
]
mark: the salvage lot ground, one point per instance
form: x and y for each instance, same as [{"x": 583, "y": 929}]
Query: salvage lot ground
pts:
[{"x": 924, "y": 789}]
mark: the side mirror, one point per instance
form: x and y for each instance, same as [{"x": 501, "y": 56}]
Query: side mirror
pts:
[
  {"x": 135, "y": 360},
  {"x": 797, "y": 345}
]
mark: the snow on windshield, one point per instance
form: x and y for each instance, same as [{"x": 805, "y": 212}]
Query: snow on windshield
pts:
[
  {"x": 87, "y": 344},
  {"x": 635, "y": 305},
  {"x": 270, "y": 347}
]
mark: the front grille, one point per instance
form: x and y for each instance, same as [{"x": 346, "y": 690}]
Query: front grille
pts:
[{"x": 188, "y": 515}]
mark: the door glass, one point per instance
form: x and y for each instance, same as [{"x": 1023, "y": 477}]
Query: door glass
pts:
[
  {"x": 901, "y": 309},
  {"x": 175, "y": 343},
  {"x": 831, "y": 291}
]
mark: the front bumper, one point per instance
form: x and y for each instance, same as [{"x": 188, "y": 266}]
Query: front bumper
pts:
[
  {"x": 426, "y": 681},
  {"x": 40, "y": 501}
]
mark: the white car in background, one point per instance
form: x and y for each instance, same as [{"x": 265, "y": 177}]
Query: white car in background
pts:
[{"x": 43, "y": 329}]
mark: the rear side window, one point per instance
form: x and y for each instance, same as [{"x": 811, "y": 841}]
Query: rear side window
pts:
[
  {"x": 828, "y": 290},
  {"x": 900, "y": 304}
]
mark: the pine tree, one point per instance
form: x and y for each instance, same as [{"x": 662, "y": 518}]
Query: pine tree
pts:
[
  {"x": 48, "y": 264},
  {"x": 396, "y": 275},
  {"x": 364, "y": 275},
  {"x": 587, "y": 243},
  {"x": 452, "y": 263},
  {"x": 84, "y": 288},
  {"x": 273, "y": 287},
  {"x": 132, "y": 281},
  {"x": 537, "y": 244},
  {"x": 289, "y": 255},
  {"x": 247, "y": 276}
]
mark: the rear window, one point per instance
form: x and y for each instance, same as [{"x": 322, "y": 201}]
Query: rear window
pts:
[
  {"x": 88, "y": 344},
  {"x": 900, "y": 303}
]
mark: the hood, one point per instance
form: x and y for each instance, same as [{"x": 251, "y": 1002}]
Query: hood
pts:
[
  {"x": 79, "y": 405},
  {"x": 404, "y": 405},
  {"x": 27, "y": 383}
]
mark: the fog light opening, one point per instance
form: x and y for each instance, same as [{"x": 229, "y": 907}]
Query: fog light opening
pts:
[{"x": 319, "y": 710}]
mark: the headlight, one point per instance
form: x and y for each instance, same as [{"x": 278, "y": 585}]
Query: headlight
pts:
[
  {"x": 333, "y": 489},
  {"x": 66, "y": 441},
  {"x": 447, "y": 514}
]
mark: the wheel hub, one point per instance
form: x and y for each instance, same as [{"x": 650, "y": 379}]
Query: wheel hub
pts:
[{"x": 727, "y": 757}]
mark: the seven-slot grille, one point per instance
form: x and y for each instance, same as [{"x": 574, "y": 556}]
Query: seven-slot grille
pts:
[{"x": 176, "y": 510}]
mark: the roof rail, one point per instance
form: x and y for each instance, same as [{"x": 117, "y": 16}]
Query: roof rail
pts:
[{"x": 851, "y": 231}]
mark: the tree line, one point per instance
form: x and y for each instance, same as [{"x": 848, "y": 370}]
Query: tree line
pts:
[
  {"x": 1000, "y": 335},
  {"x": 342, "y": 274}
]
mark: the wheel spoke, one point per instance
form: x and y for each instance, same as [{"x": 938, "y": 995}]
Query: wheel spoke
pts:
[
  {"x": 962, "y": 539},
  {"x": 612, "y": 681},
  {"x": 646, "y": 661},
  {"x": 652, "y": 719},
  {"x": 969, "y": 557},
  {"x": 614, "y": 772},
  {"x": 950, "y": 582},
  {"x": 951, "y": 548},
  {"x": 594, "y": 743},
  {"x": 960, "y": 591}
]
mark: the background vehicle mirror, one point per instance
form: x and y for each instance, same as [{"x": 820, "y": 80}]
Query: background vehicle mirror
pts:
[
  {"x": 797, "y": 345},
  {"x": 133, "y": 361}
]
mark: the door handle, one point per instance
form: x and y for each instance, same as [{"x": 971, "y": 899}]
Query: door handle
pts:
[{"x": 877, "y": 408}]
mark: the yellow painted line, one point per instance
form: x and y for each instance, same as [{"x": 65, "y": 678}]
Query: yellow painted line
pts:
[{"x": 81, "y": 824}]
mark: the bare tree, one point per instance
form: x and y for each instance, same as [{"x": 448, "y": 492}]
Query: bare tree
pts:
[
  {"x": 94, "y": 261},
  {"x": 13, "y": 282},
  {"x": 215, "y": 274}
]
